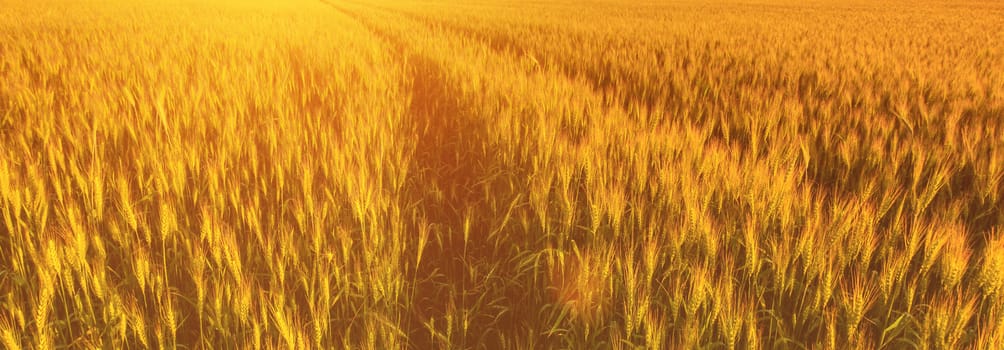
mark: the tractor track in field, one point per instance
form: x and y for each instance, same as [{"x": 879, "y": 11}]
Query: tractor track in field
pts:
[{"x": 454, "y": 166}]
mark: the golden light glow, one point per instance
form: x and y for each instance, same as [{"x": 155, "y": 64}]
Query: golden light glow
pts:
[{"x": 318, "y": 174}]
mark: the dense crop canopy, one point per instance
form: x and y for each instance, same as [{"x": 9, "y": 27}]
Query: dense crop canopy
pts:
[{"x": 501, "y": 174}]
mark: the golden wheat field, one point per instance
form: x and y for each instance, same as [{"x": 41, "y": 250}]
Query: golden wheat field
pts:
[{"x": 493, "y": 174}]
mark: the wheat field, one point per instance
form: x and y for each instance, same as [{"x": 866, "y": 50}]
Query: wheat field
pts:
[{"x": 496, "y": 174}]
